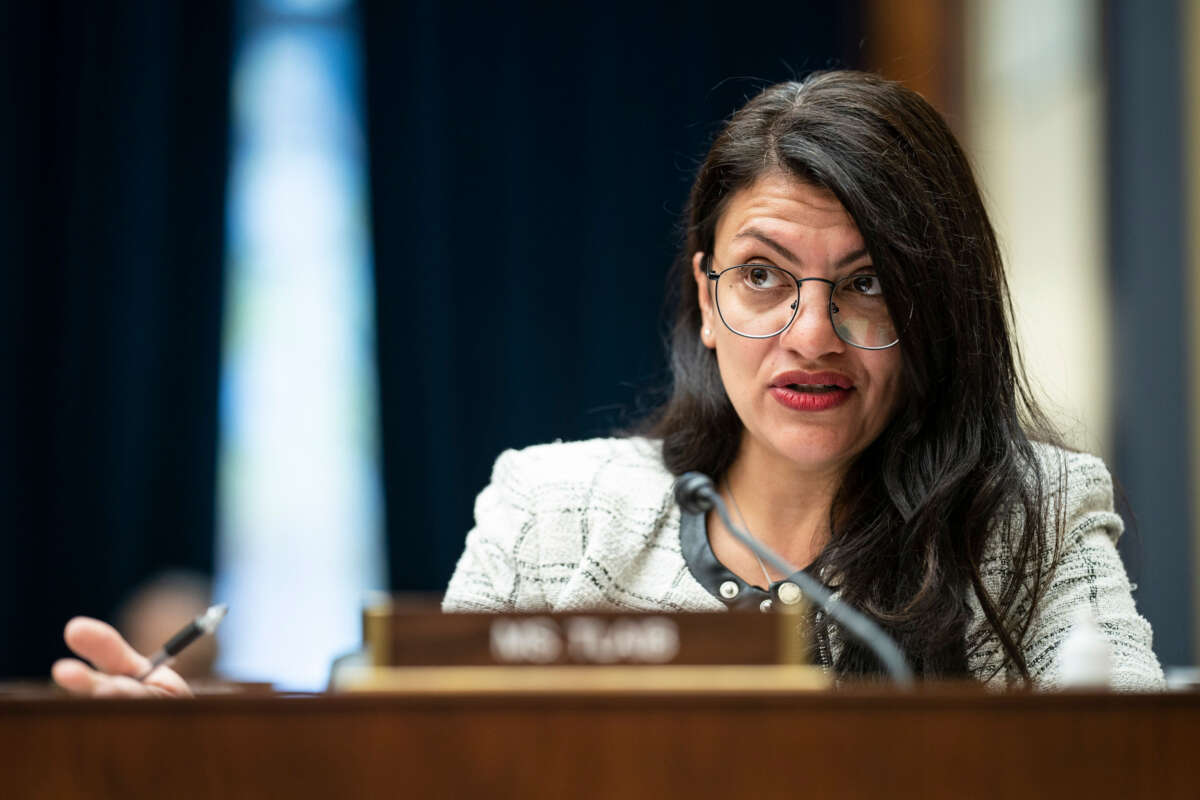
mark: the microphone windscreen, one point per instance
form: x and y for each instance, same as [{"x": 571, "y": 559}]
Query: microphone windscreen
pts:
[{"x": 693, "y": 492}]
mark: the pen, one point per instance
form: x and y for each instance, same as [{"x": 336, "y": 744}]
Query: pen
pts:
[{"x": 205, "y": 623}]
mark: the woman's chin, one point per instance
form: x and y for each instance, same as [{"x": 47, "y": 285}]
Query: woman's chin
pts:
[{"x": 814, "y": 456}]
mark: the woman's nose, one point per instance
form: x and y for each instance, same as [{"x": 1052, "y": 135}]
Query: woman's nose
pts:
[{"x": 811, "y": 333}]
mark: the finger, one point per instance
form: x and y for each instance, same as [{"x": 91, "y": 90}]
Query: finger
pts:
[
  {"x": 125, "y": 686},
  {"x": 78, "y": 678},
  {"x": 73, "y": 675},
  {"x": 169, "y": 681},
  {"x": 99, "y": 643}
]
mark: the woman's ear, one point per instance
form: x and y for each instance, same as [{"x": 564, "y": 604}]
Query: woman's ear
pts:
[{"x": 704, "y": 298}]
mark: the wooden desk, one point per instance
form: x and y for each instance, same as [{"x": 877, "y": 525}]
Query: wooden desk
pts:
[{"x": 955, "y": 742}]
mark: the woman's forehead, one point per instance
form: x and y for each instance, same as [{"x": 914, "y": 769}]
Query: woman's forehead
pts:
[{"x": 784, "y": 213}]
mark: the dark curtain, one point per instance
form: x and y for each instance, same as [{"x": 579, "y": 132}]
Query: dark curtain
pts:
[
  {"x": 114, "y": 146},
  {"x": 1148, "y": 242},
  {"x": 528, "y": 164}
]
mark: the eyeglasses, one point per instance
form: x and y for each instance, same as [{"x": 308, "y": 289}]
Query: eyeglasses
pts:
[{"x": 758, "y": 301}]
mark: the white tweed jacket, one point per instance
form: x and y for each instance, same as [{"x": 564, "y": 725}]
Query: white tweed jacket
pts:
[{"x": 593, "y": 525}]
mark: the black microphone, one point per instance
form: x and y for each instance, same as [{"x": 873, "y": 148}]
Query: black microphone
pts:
[{"x": 695, "y": 494}]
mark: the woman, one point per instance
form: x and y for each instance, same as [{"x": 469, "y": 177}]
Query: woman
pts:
[{"x": 844, "y": 369}]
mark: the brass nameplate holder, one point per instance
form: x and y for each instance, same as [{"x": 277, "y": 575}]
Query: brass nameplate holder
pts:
[{"x": 411, "y": 648}]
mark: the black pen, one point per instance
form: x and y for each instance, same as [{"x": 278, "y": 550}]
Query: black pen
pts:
[{"x": 205, "y": 623}]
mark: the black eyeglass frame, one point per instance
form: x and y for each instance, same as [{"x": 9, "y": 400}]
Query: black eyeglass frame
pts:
[{"x": 714, "y": 276}]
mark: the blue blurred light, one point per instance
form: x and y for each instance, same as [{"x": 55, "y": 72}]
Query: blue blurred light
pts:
[{"x": 299, "y": 506}]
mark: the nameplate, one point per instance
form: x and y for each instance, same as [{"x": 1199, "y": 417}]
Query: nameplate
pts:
[{"x": 398, "y": 635}]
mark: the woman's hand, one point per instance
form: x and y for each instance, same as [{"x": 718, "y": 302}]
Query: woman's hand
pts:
[{"x": 116, "y": 665}]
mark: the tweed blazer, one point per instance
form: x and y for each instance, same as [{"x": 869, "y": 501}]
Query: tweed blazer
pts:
[{"x": 593, "y": 525}]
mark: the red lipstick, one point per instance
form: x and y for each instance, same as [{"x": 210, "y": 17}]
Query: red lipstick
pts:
[{"x": 811, "y": 391}]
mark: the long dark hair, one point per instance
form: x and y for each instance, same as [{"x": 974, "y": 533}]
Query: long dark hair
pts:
[{"x": 956, "y": 464}]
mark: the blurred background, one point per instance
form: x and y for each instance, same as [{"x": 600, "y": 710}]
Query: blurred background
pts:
[{"x": 282, "y": 277}]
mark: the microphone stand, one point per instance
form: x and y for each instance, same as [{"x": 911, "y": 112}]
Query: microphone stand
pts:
[{"x": 854, "y": 622}]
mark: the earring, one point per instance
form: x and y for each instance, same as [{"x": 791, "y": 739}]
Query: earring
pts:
[{"x": 708, "y": 332}]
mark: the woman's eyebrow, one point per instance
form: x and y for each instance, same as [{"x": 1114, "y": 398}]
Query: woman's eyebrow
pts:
[
  {"x": 755, "y": 233},
  {"x": 850, "y": 258}
]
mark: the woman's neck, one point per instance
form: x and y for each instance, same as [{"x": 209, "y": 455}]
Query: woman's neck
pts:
[{"x": 785, "y": 508}]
